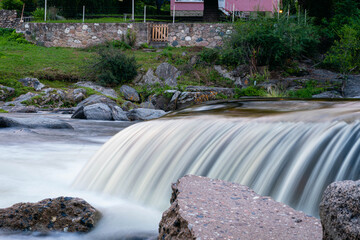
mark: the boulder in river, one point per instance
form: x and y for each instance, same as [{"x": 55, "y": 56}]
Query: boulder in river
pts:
[
  {"x": 204, "y": 208},
  {"x": 145, "y": 114},
  {"x": 340, "y": 211},
  {"x": 64, "y": 214},
  {"x": 33, "y": 122}
]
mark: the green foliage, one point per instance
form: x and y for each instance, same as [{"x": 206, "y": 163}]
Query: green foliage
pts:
[
  {"x": 129, "y": 37},
  {"x": 146, "y": 91},
  {"x": 39, "y": 13},
  {"x": 308, "y": 91},
  {"x": 19, "y": 89},
  {"x": 210, "y": 55},
  {"x": 3, "y": 111},
  {"x": 119, "y": 44},
  {"x": 344, "y": 55},
  {"x": 114, "y": 67},
  {"x": 249, "y": 91},
  {"x": 11, "y": 36},
  {"x": 273, "y": 41},
  {"x": 11, "y": 5}
]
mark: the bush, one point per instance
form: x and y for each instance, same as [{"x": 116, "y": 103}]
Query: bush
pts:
[
  {"x": 39, "y": 14},
  {"x": 344, "y": 55},
  {"x": 307, "y": 92},
  {"x": 272, "y": 41},
  {"x": 113, "y": 67},
  {"x": 11, "y": 36},
  {"x": 129, "y": 37},
  {"x": 249, "y": 91},
  {"x": 12, "y": 5},
  {"x": 209, "y": 55}
]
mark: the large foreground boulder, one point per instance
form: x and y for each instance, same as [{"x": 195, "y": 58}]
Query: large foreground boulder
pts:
[
  {"x": 340, "y": 210},
  {"x": 33, "y": 122},
  {"x": 65, "y": 214},
  {"x": 203, "y": 208}
]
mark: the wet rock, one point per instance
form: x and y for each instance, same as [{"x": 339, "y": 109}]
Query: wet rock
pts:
[
  {"x": 109, "y": 92},
  {"x": 204, "y": 208},
  {"x": 98, "y": 111},
  {"x": 187, "y": 99},
  {"x": 340, "y": 210},
  {"x": 160, "y": 101},
  {"x": 229, "y": 92},
  {"x": 33, "y": 122},
  {"x": 6, "y": 92},
  {"x": 328, "y": 94},
  {"x": 64, "y": 214},
  {"x": 118, "y": 114},
  {"x": 145, "y": 114},
  {"x": 148, "y": 105},
  {"x": 93, "y": 99},
  {"x": 150, "y": 79},
  {"x": 173, "y": 101},
  {"x": 21, "y": 109},
  {"x": 126, "y": 106},
  {"x": 32, "y": 82},
  {"x": 168, "y": 73},
  {"x": 352, "y": 87},
  {"x": 130, "y": 93}
]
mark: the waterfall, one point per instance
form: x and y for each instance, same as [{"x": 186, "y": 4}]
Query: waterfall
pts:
[{"x": 292, "y": 162}]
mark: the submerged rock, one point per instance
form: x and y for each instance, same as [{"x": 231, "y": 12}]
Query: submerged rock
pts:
[
  {"x": 65, "y": 214},
  {"x": 33, "y": 122},
  {"x": 340, "y": 210},
  {"x": 204, "y": 208}
]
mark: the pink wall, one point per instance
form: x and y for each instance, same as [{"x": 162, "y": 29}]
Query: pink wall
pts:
[
  {"x": 184, "y": 6},
  {"x": 251, "y": 5},
  {"x": 240, "y": 5}
]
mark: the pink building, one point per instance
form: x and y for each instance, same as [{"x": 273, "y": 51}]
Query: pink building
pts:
[{"x": 196, "y": 7}]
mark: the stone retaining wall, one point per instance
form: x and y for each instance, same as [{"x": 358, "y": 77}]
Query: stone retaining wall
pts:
[
  {"x": 198, "y": 34},
  {"x": 81, "y": 35},
  {"x": 8, "y": 19}
]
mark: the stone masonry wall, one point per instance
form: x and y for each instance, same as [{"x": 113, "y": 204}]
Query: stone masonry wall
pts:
[
  {"x": 8, "y": 19},
  {"x": 198, "y": 34},
  {"x": 81, "y": 35}
]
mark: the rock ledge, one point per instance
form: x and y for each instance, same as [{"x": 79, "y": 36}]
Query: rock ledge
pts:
[{"x": 203, "y": 208}]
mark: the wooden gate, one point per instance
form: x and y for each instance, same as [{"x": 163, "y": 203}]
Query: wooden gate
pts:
[{"x": 160, "y": 33}]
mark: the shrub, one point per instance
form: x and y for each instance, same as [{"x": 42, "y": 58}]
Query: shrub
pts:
[
  {"x": 209, "y": 55},
  {"x": 272, "y": 41},
  {"x": 129, "y": 37},
  {"x": 12, "y": 4},
  {"x": 39, "y": 14},
  {"x": 307, "y": 92},
  {"x": 114, "y": 67},
  {"x": 12, "y": 36},
  {"x": 249, "y": 91},
  {"x": 344, "y": 55}
]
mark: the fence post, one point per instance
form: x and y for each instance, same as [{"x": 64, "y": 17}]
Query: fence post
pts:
[
  {"x": 133, "y": 10},
  {"x": 145, "y": 14},
  {"x": 233, "y": 15},
  {"x": 174, "y": 14},
  {"x": 83, "y": 13},
  {"x": 45, "y": 10}
]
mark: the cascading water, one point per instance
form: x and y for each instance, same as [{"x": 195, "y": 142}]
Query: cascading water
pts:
[{"x": 291, "y": 161}]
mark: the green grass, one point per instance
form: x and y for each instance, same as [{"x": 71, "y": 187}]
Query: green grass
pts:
[
  {"x": 29, "y": 60},
  {"x": 3, "y": 111}
]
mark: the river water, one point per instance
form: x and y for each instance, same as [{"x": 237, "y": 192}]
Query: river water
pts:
[{"x": 290, "y": 150}]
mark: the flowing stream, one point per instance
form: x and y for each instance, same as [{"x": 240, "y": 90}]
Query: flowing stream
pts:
[{"x": 290, "y": 150}]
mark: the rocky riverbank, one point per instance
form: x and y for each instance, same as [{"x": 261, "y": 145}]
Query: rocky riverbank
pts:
[{"x": 155, "y": 92}]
